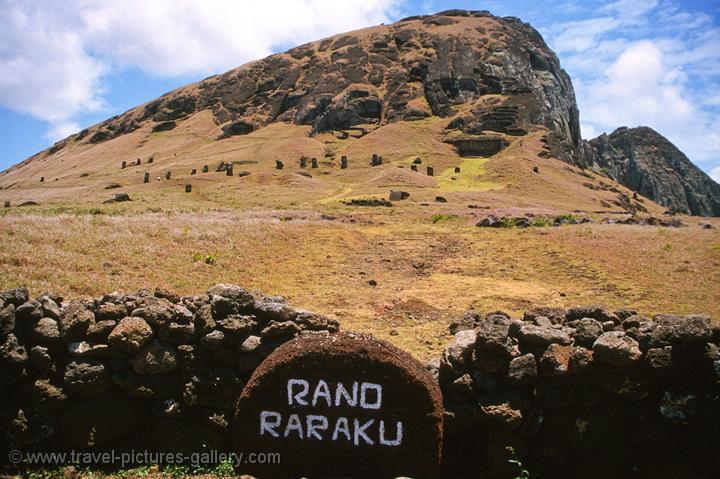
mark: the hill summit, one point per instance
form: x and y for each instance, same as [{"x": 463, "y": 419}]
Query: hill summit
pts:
[{"x": 446, "y": 86}]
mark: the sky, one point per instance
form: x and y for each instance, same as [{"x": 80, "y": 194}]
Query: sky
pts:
[{"x": 67, "y": 64}]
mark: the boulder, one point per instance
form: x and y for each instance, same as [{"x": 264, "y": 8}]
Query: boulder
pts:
[
  {"x": 110, "y": 311},
  {"x": 555, "y": 360},
  {"x": 176, "y": 333},
  {"x": 75, "y": 321},
  {"x": 13, "y": 357},
  {"x": 616, "y": 349},
  {"x": 595, "y": 312},
  {"x": 47, "y": 398},
  {"x": 99, "y": 332},
  {"x": 87, "y": 377},
  {"x": 285, "y": 329},
  {"x": 155, "y": 358},
  {"x": 16, "y": 296},
  {"x": 250, "y": 344},
  {"x": 237, "y": 324},
  {"x": 681, "y": 330},
  {"x": 586, "y": 332},
  {"x": 523, "y": 370},
  {"x": 46, "y": 331},
  {"x": 7, "y": 320},
  {"x": 215, "y": 340},
  {"x": 535, "y": 339},
  {"x": 158, "y": 313},
  {"x": 130, "y": 335}
]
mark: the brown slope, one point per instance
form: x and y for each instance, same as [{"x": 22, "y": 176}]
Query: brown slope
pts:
[{"x": 400, "y": 90}]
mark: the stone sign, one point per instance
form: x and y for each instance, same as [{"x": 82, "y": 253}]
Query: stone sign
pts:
[{"x": 343, "y": 405}]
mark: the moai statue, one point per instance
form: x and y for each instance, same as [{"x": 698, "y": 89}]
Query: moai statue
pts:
[
  {"x": 42, "y": 179},
  {"x": 303, "y": 162},
  {"x": 188, "y": 188},
  {"x": 457, "y": 169},
  {"x": 139, "y": 162},
  {"x": 430, "y": 171},
  {"x": 167, "y": 175},
  {"x": 374, "y": 160},
  {"x": 343, "y": 162},
  {"x": 206, "y": 168},
  {"x": 417, "y": 161},
  {"x": 537, "y": 170},
  {"x": 150, "y": 160},
  {"x": 229, "y": 169},
  {"x": 313, "y": 163},
  {"x": 7, "y": 204},
  {"x": 193, "y": 172},
  {"x": 146, "y": 178},
  {"x": 413, "y": 167},
  {"x": 379, "y": 160},
  {"x": 221, "y": 166},
  {"x": 124, "y": 164},
  {"x": 279, "y": 164}
]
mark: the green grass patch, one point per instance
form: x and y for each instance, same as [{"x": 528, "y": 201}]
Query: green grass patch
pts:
[
  {"x": 472, "y": 177},
  {"x": 507, "y": 222},
  {"x": 207, "y": 258},
  {"x": 541, "y": 222},
  {"x": 437, "y": 217}
]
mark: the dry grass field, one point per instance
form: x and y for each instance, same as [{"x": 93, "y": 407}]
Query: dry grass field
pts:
[
  {"x": 426, "y": 272},
  {"x": 284, "y": 232}
]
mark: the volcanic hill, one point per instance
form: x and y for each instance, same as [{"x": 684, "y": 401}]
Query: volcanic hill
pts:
[{"x": 481, "y": 99}]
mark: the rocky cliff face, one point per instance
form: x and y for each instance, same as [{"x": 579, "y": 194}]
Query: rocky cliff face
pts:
[
  {"x": 491, "y": 74},
  {"x": 647, "y": 162}
]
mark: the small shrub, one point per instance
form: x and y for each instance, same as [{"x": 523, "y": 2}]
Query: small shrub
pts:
[
  {"x": 507, "y": 222},
  {"x": 541, "y": 222},
  {"x": 209, "y": 258},
  {"x": 437, "y": 217},
  {"x": 566, "y": 217},
  {"x": 176, "y": 470},
  {"x": 224, "y": 469}
]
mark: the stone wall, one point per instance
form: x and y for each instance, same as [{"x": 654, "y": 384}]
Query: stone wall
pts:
[
  {"x": 585, "y": 392},
  {"x": 149, "y": 370}
]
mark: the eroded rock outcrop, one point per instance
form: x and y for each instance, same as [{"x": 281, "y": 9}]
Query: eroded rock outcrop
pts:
[
  {"x": 647, "y": 162},
  {"x": 499, "y": 69}
]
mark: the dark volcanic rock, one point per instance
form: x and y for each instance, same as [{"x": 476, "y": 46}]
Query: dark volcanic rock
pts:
[
  {"x": 646, "y": 162},
  {"x": 403, "y": 71},
  {"x": 346, "y": 396}
]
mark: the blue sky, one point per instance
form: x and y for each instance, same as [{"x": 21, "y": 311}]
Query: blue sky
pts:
[{"x": 65, "y": 65}]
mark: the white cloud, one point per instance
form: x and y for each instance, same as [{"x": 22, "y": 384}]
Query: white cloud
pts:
[
  {"x": 630, "y": 9},
  {"x": 715, "y": 174},
  {"x": 55, "y": 54},
  {"x": 645, "y": 62},
  {"x": 638, "y": 88},
  {"x": 61, "y": 130},
  {"x": 44, "y": 69}
]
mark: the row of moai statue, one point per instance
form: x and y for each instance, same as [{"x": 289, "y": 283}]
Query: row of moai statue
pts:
[
  {"x": 229, "y": 170},
  {"x": 138, "y": 162},
  {"x": 313, "y": 163}
]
